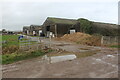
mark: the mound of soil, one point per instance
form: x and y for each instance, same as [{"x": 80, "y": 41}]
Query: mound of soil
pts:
[{"x": 82, "y": 38}]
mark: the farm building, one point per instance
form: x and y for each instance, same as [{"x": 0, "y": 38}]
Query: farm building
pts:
[
  {"x": 33, "y": 30},
  {"x": 4, "y": 32},
  {"x": 105, "y": 29},
  {"x": 58, "y": 27},
  {"x": 26, "y": 30}
]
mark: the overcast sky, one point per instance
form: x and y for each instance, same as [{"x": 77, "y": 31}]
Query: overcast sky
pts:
[
  {"x": 119, "y": 13},
  {"x": 17, "y": 13}
]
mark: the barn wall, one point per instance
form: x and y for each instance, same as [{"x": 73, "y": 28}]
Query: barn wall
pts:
[
  {"x": 45, "y": 24},
  {"x": 52, "y": 28},
  {"x": 60, "y": 29},
  {"x": 63, "y": 29}
]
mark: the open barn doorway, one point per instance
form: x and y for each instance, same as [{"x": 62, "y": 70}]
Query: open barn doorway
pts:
[
  {"x": 48, "y": 28},
  {"x": 48, "y": 31}
]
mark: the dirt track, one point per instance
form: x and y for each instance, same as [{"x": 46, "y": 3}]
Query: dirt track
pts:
[{"x": 104, "y": 64}]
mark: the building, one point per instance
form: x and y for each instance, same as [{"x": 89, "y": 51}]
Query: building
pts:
[
  {"x": 4, "y": 32},
  {"x": 26, "y": 30},
  {"x": 105, "y": 29},
  {"x": 33, "y": 30},
  {"x": 58, "y": 27}
]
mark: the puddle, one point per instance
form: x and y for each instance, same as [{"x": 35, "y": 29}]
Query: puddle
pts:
[
  {"x": 86, "y": 53},
  {"x": 62, "y": 44},
  {"x": 84, "y": 49},
  {"x": 54, "y": 59},
  {"x": 110, "y": 56}
]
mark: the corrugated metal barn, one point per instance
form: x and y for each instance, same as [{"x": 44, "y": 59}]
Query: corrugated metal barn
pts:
[{"x": 58, "y": 27}]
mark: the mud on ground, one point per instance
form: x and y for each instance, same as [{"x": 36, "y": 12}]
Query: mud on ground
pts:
[{"x": 103, "y": 63}]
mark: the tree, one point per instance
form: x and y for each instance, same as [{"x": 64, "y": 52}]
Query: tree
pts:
[
  {"x": 85, "y": 25},
  {"x": 3, "y": 30}
]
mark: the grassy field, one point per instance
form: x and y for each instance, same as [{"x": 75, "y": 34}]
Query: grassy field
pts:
[
  {"x": 10, "y": 40},
  {"x": 11, "y": 44},
  {"x": 13, "y": 40}
]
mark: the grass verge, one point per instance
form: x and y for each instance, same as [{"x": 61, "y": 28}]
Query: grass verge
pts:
[
  {"x": 115, "y": 46},
  {"x": 14, "y": 57}
]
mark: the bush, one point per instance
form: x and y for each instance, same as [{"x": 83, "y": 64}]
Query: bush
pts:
[{"x": 85, "y": 25}]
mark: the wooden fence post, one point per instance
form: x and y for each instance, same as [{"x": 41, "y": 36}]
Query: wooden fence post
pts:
[
  {"x": 56, "y": 31},
  {"x": 102, "y": 40}
]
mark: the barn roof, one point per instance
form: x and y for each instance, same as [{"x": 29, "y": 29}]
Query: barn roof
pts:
[
  {"x": 35, "y": 25},
  {"x": 105, "y": 25},
  {"x": 62, "y": 20},
  {"x": 26, "y": 27}
]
